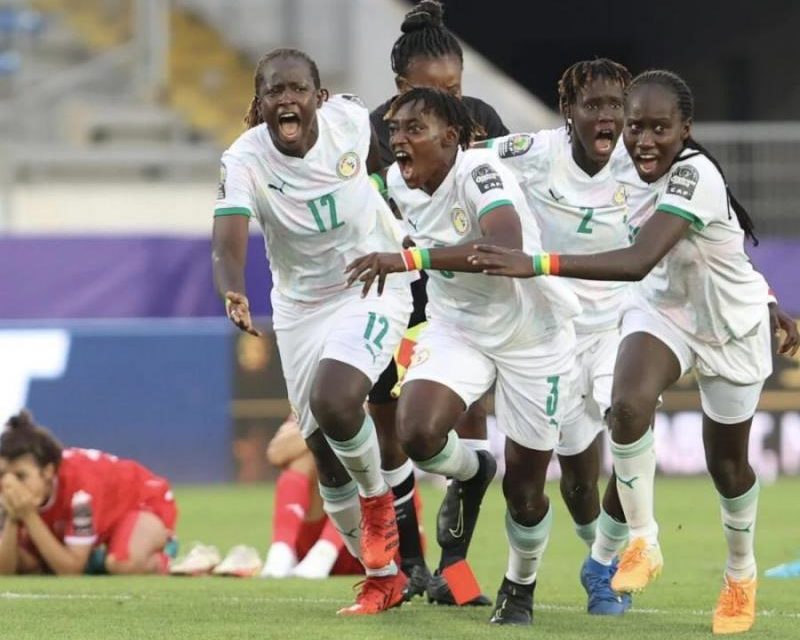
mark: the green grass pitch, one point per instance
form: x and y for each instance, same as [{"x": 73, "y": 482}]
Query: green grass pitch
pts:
[{"x": 677, "y": 606}]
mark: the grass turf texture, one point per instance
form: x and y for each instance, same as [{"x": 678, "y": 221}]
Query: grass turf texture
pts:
[{"x": 677, "y": 606}]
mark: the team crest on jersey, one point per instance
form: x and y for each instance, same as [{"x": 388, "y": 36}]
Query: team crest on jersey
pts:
[
  {"x": 420, "y": 356},
  {"x": 221, "y": 188},
  {"x": 348, "y": 165},
  {"x": 683, "y": 181},
  {"x": 515, "y": 145},
  {"x": 486, "y": 178},
  {"x": 620, "y": 197},
  {"x": 460, "y": 221}
]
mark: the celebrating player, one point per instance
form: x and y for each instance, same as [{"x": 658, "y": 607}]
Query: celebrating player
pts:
[
  {"x": 60, "y": 505},
  {"x": 301, "y": 171},
  {"x": 427, "y": 54},
  {"x": 480, "y": 332},
  {"x": 699, "y": 305}
]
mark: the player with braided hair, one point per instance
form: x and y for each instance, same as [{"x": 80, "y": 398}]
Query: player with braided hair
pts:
[
  {"x": 480, "y": 332},
  {"x": 699, "y": 304}
]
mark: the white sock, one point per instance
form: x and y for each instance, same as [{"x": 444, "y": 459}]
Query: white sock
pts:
[
  {"x": 361, "y": 456},
  {"x": 587, "y": 532},
  {"x": 476, "y": 444},
  {"x": 318, "y": 561},
  {"x": 611, "y": 537},
  {"x": 396, "y": 477},
  {"x": 453, "y": 460},
  {"x": 739, "y": 525},
  {"x": 280, "y": 561},
  {"x": 343, "y": 508},
  {"x": 526, "y": 546},
  {"x": 635, "y": 466}
]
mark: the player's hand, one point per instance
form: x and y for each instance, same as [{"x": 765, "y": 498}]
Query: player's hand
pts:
[
  {"x": 781, "y": 321},
  {"x": 500, "y": 261},
  {"x": 238, "y": 309},
  {"x": 374, "y": 265},
  {"x": 17, "y": 497},
  {"x": 8, "y": 510}
]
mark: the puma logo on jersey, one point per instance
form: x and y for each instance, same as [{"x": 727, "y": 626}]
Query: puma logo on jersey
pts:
[
  {"x": 278, "y": 189},
  {"x": 412, "y": 223},
  {"x": 555, "y": 196}
]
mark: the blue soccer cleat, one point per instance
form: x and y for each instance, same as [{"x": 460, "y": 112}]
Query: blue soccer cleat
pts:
[
  {"x": 603, "y": 600},
  {"x": 786, "y": 570}
]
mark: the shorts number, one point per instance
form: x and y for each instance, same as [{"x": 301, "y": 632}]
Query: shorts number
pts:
[
  {"x": 330, "y": 203},
  {"x": 552, "y": 398},
  {"x": 384, "y": 328},
  {"x": 584, "y": 227}
]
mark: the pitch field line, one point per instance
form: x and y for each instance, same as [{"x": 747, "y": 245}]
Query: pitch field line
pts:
[{"x": 543, "y": 606}]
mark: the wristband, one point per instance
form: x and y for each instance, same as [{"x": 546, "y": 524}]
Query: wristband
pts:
[
  {"x": 546, "y": 264},
  {"x": 416, "y": 259},
  {"x": 408, "y": 260}
]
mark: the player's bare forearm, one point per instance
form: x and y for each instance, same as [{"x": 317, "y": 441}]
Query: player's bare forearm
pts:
[
  {"x": 8, "y": 548},
  {"x": 61, "y": 559},
  {"x": 229, "y": 253}
]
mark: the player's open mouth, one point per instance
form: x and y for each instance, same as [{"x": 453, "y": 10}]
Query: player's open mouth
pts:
[
  {"x": 646, "y": 163},
  {"x": 289, "y": 126},
  {"x": 405, "y": 163},
  {"x": 604, "y": 141}
]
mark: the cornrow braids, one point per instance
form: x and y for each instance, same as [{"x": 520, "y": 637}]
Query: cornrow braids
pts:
[
  {"x": 676, "y": 85},
  {"x": 578, "y": 76},
  {"x": 253, "y": 116},
  {"x": 425, "y": 35},
  {"x": 445, "y": 106}
]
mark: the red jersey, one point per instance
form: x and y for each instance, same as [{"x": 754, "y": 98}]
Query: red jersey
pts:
[{"x": 95, "y": 490}]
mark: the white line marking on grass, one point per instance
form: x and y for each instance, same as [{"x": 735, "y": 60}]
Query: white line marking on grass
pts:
[{"x": 11, "y": 595}]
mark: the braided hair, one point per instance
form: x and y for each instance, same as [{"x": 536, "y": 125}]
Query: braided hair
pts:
[
  {"x": 445, "y": 106},
  {"x": 253, "y": 116},
  {"x": 579, "y": 75},
  {"x": 676, "y": 85},
  {"x": 23, "y": 436},
  {"x": 425, "y": 35}
]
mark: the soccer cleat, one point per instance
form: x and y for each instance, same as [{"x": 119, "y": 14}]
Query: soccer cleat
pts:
[
  {"x": 241, "y": 562},
  {"x": 439, "y": 593},
  {"x": 379, "y": 536},
  {"x": 514, "y": 604},
  {"x": 736, "y": 607},
  {"x": 786, "y": 570},
  {"x": 199, "y": 560},
  {"x": 418, "y": 578},
  {"x": 376, "y": 595},
  {"x": 458, "y": 514},
  {"x": 603, "y": 600},
  {"x": 280, "y": 561},
  {"x": 639, "y": 565}
]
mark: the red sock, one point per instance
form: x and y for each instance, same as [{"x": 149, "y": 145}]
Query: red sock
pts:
[
  {"x": 292, "y": 499},
  {"x": 418, "y": 507},
  {"x": 330, "y": 533}
]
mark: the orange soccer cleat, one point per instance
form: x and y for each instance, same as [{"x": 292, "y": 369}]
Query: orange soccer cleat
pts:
[
  {"x": 736, "y": 607},
  {"x": 639, "y": 565},
  {"x": 376, "y": 595},
  {"x": 379, "y": 536}
]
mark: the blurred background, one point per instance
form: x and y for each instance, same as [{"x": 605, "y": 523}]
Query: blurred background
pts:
[{"x": 113, "y": 116}]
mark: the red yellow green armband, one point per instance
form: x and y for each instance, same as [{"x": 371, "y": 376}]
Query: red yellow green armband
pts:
[
  {"x": 416, "y": 259},
  {"x": 545, "y": 264}
]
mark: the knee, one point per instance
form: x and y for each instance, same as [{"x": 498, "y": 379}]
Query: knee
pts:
[
  {"x": 333, "y": 408},
  {"x": 417, "y": 436},
  {"x": 731, "y": 476},
  {"x": 526, "y": 502},
  {"x": 630, "y": 415},
  {"x": 576, "y": 490}
]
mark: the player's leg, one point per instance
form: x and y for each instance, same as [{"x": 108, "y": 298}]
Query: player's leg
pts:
[
  {"x": 728, "y": 411},
  {"x": 136, "y": 545},
  {"x": 645, "y": 367}
]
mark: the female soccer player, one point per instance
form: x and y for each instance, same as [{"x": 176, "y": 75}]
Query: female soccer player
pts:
[
  {"x": 300, "y": 170},
  {"x": 566, "y": 175},
  {"x": 427, "y": 54},
  {"x": 699, "y": 305},
  {"x": 59, "y": 505},
  {"x": 479, "y": 332}
]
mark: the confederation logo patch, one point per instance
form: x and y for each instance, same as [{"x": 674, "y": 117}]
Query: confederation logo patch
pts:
[
  {"x": 620, "y": 197},
  {"x": 348, "y": 165},
  {"x": 515, "y": 145},
  {"x": 460, "y": 221},
  {"x": 221, "y": 188},
  {"x": 486, "y": 178},
  {"x": 683, "y": 181}
]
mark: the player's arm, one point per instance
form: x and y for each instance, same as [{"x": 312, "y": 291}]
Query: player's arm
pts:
[
  {"x": 9, "y": 543},
  {"x": 61, "y": 558}
]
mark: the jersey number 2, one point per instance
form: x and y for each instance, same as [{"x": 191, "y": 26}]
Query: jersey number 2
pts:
[
  {"x": 328, "y": 202},
  {"x": 584, "y": 227}
]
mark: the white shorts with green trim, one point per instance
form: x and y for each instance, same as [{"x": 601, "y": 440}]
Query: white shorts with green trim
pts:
[
  {"x": 532, "y": 378},
  {"x": 361, "y": 332}
]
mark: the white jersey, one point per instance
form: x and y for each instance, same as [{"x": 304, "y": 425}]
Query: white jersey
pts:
[
  {"x": 577, "y": 213},
  {"x": 318, "y": 213},
  {"x": 706, "y": 284},
  {"x": 488, "y": 310}
]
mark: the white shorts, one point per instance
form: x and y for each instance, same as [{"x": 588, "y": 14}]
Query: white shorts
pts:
[
  {"x": 532, "y": 378},
  {"x": 730, "y": 377},
  {"x": 361, "y": 332},
  {"x": 590, "y": 391}
]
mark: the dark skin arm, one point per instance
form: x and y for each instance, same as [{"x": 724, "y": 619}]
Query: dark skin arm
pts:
[
  {"x": 228, "y": 257},
  {"x": 500, "y": 227},
  {"x": 780, "y": 321}
]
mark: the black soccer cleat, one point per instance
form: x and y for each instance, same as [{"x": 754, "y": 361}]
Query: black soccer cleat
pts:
[
  {"x": 418, "y": 578},
  {"x": 439, "y": 593},
  {"x": 514, "y": 604},
  {"x": 458, "y": 515}
]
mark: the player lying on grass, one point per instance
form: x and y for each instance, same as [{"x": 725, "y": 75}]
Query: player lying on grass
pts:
[
  {"x": 699, "y": 304},
  {"x": 59, "y": 505}
]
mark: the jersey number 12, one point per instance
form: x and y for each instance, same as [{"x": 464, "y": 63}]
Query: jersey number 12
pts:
[{"x": 316, "y": 207}]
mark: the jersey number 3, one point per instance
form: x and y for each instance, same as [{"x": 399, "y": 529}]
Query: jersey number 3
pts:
[
  {"x": 316, "y": 207},
  {"x": 584, "y": 227}
]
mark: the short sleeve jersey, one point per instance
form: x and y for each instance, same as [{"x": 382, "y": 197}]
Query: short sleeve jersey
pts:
[
  {"x": 577, "y": 213},
  {"x": 317, "y": 213},
  {"x": 93, "y": 491},
  {"x": 487, "y": 310},
  {"x": 706, "y": 284}
]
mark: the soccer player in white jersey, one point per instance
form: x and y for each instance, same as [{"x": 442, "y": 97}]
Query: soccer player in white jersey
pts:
[
  {"x": 566, "y": 175},
  {"x": 699, "y": 304},
  {"x": 300, "y": 171},
  {"x": 481, "y": 331}
]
